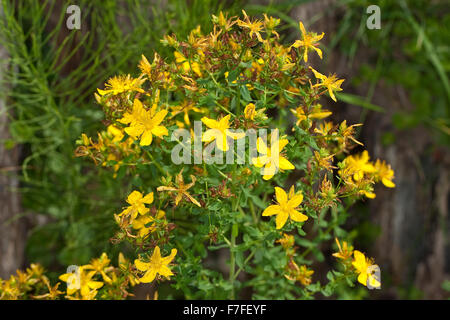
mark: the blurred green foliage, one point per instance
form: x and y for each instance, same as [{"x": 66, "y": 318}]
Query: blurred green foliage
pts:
[{"x": 411, "y": 50}]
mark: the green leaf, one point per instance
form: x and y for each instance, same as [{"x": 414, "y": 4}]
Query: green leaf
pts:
[
  {"x": 235, "y": 230},
  {"x": 358, "y": 101},
  {"x": 245, "y": 94}
]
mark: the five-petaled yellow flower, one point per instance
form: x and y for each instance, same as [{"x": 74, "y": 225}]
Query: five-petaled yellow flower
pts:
[
  {"x": 142, "y": 222},
  {"x": 144, "y": 124},
  {"x": 309, "y": 41},
  {"x": 286, "y": 207},
  {"x": 179, "y": 58},
  {"x": 219, "y": 131},
  {"x": 121, "y": 84},
  {"x": 254, "y": 27},
  {"x": 271, "y": 159},
  {"x": 359, "y": 164},
  {"x": 332, "y": 83},
  {"x": 365, "y": 267},
  {"x": 82, "y": 281},
  {"x": 100, "y": 265},
  {"x": 157, "y": 265},
  {"x": 345, "y": 251},
  {"x": 137, "y": 204}
]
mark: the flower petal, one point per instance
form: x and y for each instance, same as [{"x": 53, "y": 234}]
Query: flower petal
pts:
[
  {"x": 165, "y": 271},
  {"x": 159, "y": 117},
  {"x": 141, "y": 266},
  {"x": 148, "y": 199},
  {"x": 149, "y": 276},
  {"x": 271, "y": 210},
  {"x": 135, "y": 131},
  {"x": 285, "y": 164},
  {"x": 281, "y": 219},
  {"x": 297, "y": 216},
  {"x": 388, "y": 183},
  {"x": 134, "y": 197},
  {"x": 295, "y": 201},
  {"x": 169, "y": 258},
  {"x": 146, "y": 138},
  {"x": 261, "y": 146},
  {"x": 160, "y": 131},
  {"x": 280, "y": 195},
  {"x": 210, "y": 123}
]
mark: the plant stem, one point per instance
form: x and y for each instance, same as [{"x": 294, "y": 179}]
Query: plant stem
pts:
[
  {"x": 155, "y": 163},
  {"x": 232, "y": 262}
]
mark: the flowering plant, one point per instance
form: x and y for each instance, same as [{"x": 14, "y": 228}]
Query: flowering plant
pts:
[{"x": 269, "y": 211}]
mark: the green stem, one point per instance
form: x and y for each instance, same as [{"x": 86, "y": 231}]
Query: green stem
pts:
[
  {"x": 232, "y": 262},
  {"x": 155, "y": 163},
  {"x": 245, "y": 263},
  {"x": 252, "y": 210}
]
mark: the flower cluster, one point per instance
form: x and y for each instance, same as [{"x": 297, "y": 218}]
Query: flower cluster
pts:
[
  {"x": 98, "y": 279},
  {"x": 237, "y": 77}
]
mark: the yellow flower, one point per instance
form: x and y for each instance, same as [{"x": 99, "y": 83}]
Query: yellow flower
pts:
[
  {"x": 185, "y": 107},
  {"x": 223, "y": 21},
  {"x": 144, "y": 123},
  {"x": 141, "y": 222},
  {"x": 157, "y": 265},
  {"x": 81, "y": 281},
  {"x": 384, "y": 173},
  {"x": 332, "y": 83},
  {"x": 316, "y": 113},
  {"x": 53, "y": 292},
  {"x": 145, "y": 66},
  {"x": 369, "y": 194},
  {"x": 36, "y": 270},
  {"x": 181, "y": 189},
  {"x": 286, "y": 207},
  {"x": 271, "y": 162},
  {"x": 137, "y": 204},
  {"x": 179, "y": 58},
  {"x": 254, "y": 27},
  {"x": 324, "y": 162},
  {"x": 287, "y": 241},
  {"x": 99, "y": 265},
  {"x": 115, "y": 132},
  {"x": 249, "y": 111},
  {"x": 358, "y": 165},
  {"x": 125, "y": 267},
  {"x": 345, "y": 251},
  {"x": 324, "y": 128},
  {"x": 135, "y": 116},
  {"x": 364, "y": 266},
  {"x": 301, "y": 274},
  {"x": 348, "y": 131},
  {"x": 120, "y": 84},
  {"x": 309, "y": 41},
  {"x": 300, "y": 114},
  {"x": 219, "y": 131},
  {"x": 270, "y": 24}
]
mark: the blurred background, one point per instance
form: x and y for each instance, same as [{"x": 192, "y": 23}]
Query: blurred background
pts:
[{"x": 57, "y": 209}]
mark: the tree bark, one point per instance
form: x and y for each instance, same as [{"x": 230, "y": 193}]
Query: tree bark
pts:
[{"x": 12, "y": 228}]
